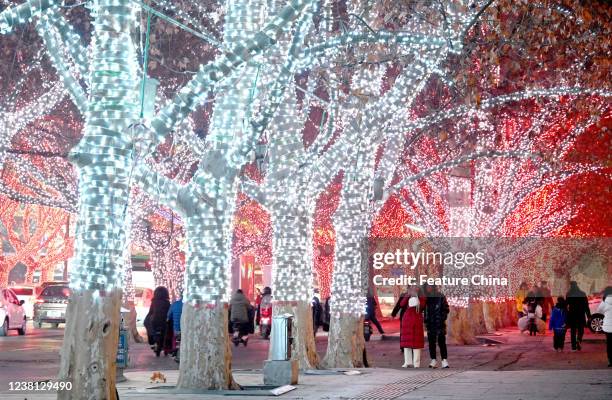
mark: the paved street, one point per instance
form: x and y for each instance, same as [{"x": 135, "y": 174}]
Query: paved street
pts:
[{"x": 493, "y": 365}]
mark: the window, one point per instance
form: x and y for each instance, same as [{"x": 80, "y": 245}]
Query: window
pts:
[
  {"x": 11, "y": 298},
  {"x": 56, "y": 291}
]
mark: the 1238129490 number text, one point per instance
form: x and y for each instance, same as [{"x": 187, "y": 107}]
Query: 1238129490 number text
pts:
[{"x": 25, "y": 386}]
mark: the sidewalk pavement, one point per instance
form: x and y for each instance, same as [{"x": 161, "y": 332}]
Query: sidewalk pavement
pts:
[{"x": 387, "y": 384}]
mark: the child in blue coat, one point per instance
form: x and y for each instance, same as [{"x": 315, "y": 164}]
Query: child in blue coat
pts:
[{"x": 557, "y": 323}]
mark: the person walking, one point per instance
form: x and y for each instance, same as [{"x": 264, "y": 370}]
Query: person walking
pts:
[
  {"x": 174, "y": 318},
  {"x": 265, "y": 301},
  {"x": 558, "y": 318},
  {"x": 412, "y": 336},
  {"x": 317, "y": 312},
  {"x": 174, "y": 314},
  {"x": 327, "y": 314},
  {"x": 577, "y": 314},
  {"x": 239, "y": 315},
  {"x": 605, "y": 308},
  {"x": 155, "y": 321},
  {"x": 436, "y": 312},
  {"x": 520, "y": 297},
  {"x": 371, "y": 305}
]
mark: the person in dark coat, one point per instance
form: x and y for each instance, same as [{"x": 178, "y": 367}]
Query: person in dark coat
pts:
[
  {"x": 317, "y": 312},
  {"x": 412, "y": 336},
  {"x": 240, "y": 314},
  {"x": 155, "y": 321},
  {"x": 577, "y": 314},
  {"x": 436, "y": 312},
  {"x": 326, "y": 314},
  {"x": 371, "y": 313}
]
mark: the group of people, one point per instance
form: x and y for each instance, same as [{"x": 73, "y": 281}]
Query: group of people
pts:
[
  {"x": 163, "y": 321},
  {"x": 417, "y": 307},
  {"x": 570, "y": 312},
  {"x": 243, "y": 315},
  {"x": 533, "y": 307}
]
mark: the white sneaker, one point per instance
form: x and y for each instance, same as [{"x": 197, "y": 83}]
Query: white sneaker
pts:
[
  {"x": 445, "y": 364},
  {"x": 432, "y": 364}
]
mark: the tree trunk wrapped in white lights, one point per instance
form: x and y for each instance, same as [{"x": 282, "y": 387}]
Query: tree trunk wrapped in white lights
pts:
[
  {"x": 292, "y": 274},
  {"x": 288, "y": 199},
  {"x": 103, "y": 161},
  {"x": 346, "y": 344},
  {"x": 354, "y": 216},
  {"x": 206, "y": 364}
]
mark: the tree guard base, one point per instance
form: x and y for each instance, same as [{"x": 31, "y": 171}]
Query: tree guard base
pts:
[
  {"x": 90, "y": 346},
  {"x": 280, "y": 372}
]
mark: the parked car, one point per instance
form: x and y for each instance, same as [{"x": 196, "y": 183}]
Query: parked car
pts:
[
  {"x": 51, "y": 305},
  {"x": 595, "y": 323},
  {"x": 43, "y": 285},
  {"x": 12, "y": 315},
  {"x": 28, "y": 295}
]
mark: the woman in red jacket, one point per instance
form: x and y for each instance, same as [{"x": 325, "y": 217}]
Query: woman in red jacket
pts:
[{"x": 412, "y": 336}]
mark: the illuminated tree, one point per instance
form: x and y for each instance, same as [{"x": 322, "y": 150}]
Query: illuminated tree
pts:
[{"x": 38, "y": 236}]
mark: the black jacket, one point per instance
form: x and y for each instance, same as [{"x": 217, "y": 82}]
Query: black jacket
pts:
[
  {"x": 157, "y": 316},
  {"x": 436, "y": 312},
  {"x": 317, "y": 312},
  {"x": 370, "y": 305},
  {"x": 577, "y": 307}
]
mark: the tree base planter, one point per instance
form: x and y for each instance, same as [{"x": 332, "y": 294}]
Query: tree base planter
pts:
[
  {"x": 205, "y": 348},
  {"x": 280, "y": 372},
  {"x": 90, "y": 346},
  {"x": 346, "y": 344}
]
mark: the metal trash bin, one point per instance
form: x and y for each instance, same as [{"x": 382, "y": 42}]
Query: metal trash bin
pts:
[{"x": 281, "y": 337}]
